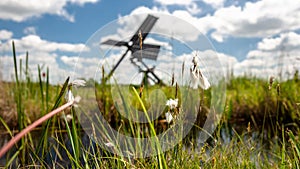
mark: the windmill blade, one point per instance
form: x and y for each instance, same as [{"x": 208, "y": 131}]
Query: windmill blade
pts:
[
  {"x": 150, "y": 46},
  {"x": 149, "y": 51},
  {"x": 115, "y": 43},
  {"x": 144, "y": 28}
]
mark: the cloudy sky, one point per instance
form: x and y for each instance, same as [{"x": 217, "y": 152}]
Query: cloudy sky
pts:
[{"x": 249, "y": 37}]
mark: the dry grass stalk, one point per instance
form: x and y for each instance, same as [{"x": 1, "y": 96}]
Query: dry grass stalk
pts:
[
  {"x": 172, "y": 82},
  {"x": 140, "y": 39},
  {"x": 176, "y": 90},
  {"x": 278, "y": 89},
  {"x": 271, "y": 81},
  {"x": 249, "y": 127},
  {"x": 182, "y": 69},
  {"x": 103, "y": 72},
  {"x": 141, "y": 90}
]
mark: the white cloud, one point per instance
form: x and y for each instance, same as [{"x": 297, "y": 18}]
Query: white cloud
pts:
[
  {"x": 23, "y": 10},
  {"x": 30, "y": 30},
  {"x": 286, "y": 41},
  {"x": 33, "y": 43},
  {"x": 265, "y": 18},
  {"x": 163, "y": 45},
  {"x": 215, "y": 3},
  {"x": 182, "y": 28},
  {"x": 183, "y": 31},
  {"x": 255, "y": 19},
  {"x": 190, "y": 5},
  {"x": 124, "y": 28},
  {"x": 82, "y": 2},
  {"x": 277, "y": 56},
  {"x": 80, "y": 66},
  {"x": 174, "y": 2},
  {"x": 277, "y": 52},
  {"x": 201, "y": 24},
  {"x": 228, "y": 62},
  {"x": 5, "y": 34},
  {"x": 193, "y": 9}
]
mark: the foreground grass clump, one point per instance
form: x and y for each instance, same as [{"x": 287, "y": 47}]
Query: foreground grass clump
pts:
[{"x": 259, "y": 127}]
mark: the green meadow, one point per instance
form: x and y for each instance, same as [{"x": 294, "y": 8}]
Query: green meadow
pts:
[{"x": 259, "y": 127}]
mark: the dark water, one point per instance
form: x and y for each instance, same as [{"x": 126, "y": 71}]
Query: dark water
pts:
[{"x": 52, "y": 160}]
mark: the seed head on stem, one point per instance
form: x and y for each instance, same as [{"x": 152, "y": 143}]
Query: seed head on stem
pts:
[{"x": 197, "y": 78}]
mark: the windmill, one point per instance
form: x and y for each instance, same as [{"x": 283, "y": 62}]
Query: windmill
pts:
[{"x": 139, "y": 51}]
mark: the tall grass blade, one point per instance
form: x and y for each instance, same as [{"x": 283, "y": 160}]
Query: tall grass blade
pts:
[
  {"x": 72, "y": 140},
  {"x": 43, "y": 143},
  {"x": 283, "y": 150},
  {"x": 18, "y": 100},
  {"x": 47, "y": 90},
  {"x": 15, "y": 62},
  {"x": 41, "y": 90},
  {"x": 295, "y": 146},
  {"x": 27, "y": 69},
  {"x": 6, "y": 126},
  {"x": 20, "y": 70}
]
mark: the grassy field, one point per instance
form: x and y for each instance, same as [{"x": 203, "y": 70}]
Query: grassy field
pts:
[{"x": 259, "y": 127}]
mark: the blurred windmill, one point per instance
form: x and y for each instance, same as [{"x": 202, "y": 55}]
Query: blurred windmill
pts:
[{"x": 139, "y": 51}]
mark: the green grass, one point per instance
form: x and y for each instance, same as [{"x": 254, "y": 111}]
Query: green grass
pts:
[{"x": 259, "y": 127}]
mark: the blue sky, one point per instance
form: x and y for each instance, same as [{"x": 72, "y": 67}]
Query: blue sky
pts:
[{"x": 247, "y": 35}]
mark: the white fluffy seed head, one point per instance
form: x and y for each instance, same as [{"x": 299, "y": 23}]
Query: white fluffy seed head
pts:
[
  {"x": 169, "y": 117},
  {"x": 78, "y": 82}
]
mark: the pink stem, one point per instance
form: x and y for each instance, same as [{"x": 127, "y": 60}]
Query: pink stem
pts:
[{"x": 15, "y": 139}]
